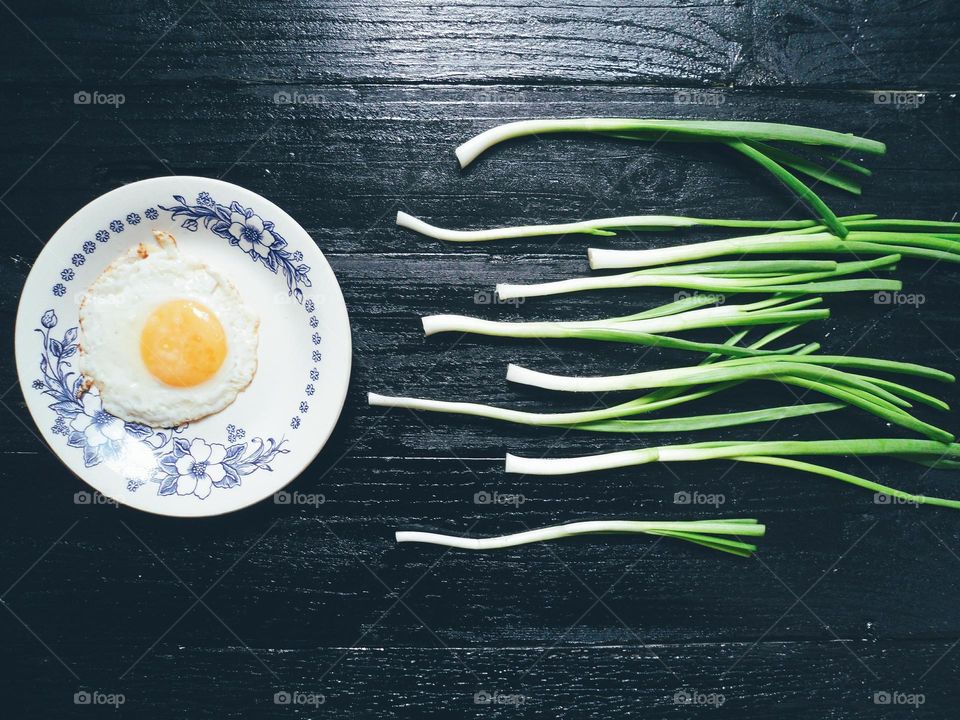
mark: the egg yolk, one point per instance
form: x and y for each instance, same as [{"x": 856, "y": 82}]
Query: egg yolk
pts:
[{"x": 183, "y": 343}]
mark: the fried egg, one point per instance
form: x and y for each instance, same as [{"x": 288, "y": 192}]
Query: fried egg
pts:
[{"x": 165, "y": 338}]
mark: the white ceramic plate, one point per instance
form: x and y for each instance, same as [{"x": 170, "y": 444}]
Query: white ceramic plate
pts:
[{"x": 261, "y": 442}]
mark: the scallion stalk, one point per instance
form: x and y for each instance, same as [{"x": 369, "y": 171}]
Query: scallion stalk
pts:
[
  {"x": 577, "y": 420},
  {"x": 926, "y": 245},
  {"x": 700, "y": 532},
  {"x": 660, "y": 320},
  {"x": 708, "y": 422},
  {"x": 746, "y": 138},
  {"x": 726, "y": 279},
  {"x": 778, "y": 453},
  {"x": 694, "y": 129},
  {"x": 649, "y": 332},
  {"x": 878, "y": 397},
  {"x": 659, "y": 399},
  {"x": 802, "y": 191},
  {"x": 647, "y": 328},
  {"x": 811, "y": 169},
  {"x": 603, "y": 227}
]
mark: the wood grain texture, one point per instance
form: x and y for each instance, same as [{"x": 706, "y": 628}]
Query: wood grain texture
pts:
[
  {"x": 752, "y": 43},
  {"x": 777, "y": 679},
  {"x": 382, "y": 148},
  {"x": 847, "y": 597}
]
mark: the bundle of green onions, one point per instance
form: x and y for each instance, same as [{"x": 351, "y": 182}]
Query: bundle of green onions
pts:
[
  {"x": 848, "y": 382},
  {"x": 778, "y": 453},
  {"x": 883, "y": 398},
  {"x": 699, "y": 532},
  {"x": 610, "y": 419},
  {"x": 751, "y": 139},
  {"x": 819, "y": 373}
]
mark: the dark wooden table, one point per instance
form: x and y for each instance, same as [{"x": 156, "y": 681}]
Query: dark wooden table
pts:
[{"x": 211, "y": 618}]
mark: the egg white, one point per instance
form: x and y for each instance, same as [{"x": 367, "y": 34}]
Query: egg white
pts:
[{"x": 112, "y": 316}]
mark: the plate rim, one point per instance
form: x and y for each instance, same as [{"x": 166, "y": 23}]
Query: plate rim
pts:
[{"x": 319, "y": 440}]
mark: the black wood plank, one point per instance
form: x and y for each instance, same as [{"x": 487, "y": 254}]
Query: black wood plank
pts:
[
  {"x": 832, "y": 43},
  {"x": 325, "y": 572},
  {"x": 808, "y": 680},
  {"x": 346, "y": 165}
]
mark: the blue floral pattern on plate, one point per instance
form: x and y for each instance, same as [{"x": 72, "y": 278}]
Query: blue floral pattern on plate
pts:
[
  {"x": 178, "y": 466},
  {"x": 181, "y": 466},
  {"x": 243, "y": 228}
]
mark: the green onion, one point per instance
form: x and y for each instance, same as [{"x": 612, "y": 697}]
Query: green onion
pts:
[
  {"x": 802, "y": 191},
  {"x": 638, "y": 332},
  {"x": 603, "y": 227},
  {"x": 811, "y": 169},
  {"x": 700, "y": 532},
  {"x": 933, "y": 246},
  {"x": 729, "y": 278},
  {"x": 925, "y": 452},
  {"x": 694, "y": 129},
  {"x": 664, "y": 425},
  {"x": 747, "y": 138},
  {"x": 651, "y": 402},
  {"x": 708, "y": 422},
  {"x": 876, "y": 223},
  {"x": 878, "y": 397}
]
